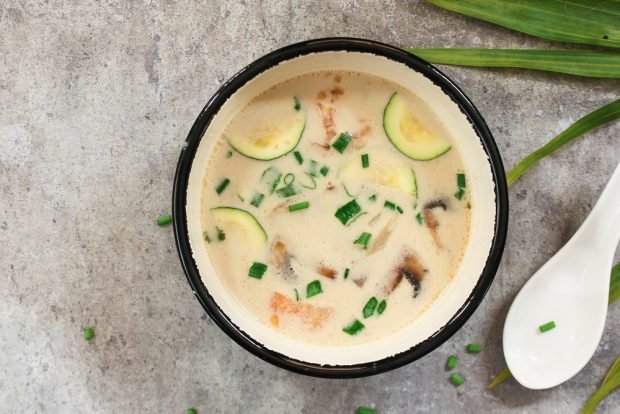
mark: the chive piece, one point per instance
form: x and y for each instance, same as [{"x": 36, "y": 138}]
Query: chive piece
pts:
[
  {"x": 348, "y": 212},
  {"x": 296, "y": 295},
  {"x": 341, "y": 143},
  {"x": 89, "y": 333},
  {"x": 451, "y": 362},
  {"x": 257, "y": 199},
  {"x": 299, "y": 206},
  {"x": 289, "y": 179},
  {"x": 457, "y": 380},
  {"x": 240, "y": 197},
  {"x": 324, "y": 170},
  {"x": 365, "y": 162},
  {"x": 313, "y": 168},
  {"x": 547, "y": 326},
  {"x": 297, "y": 105},
  {"x": 257, "y": 270},
  {"x": 222, "y": 186},
  {"x": 372, "y": 198},
  {"x": 363, "y": 239},
  {"x": 206, "y": 237},
  {"x": 354, "y": 328},
  {"x": 381, "y": 307},
  {"x": 392, "y": 206},
  {"x": 229, "y": 154},
  {"x": 313, "y": 288},
  {"x": 298, "y": 157},
  {"x": 191, "y": 411},
  {"x": 419, "y": 218},
  {"x": 346, "y": 273},
  {"x": 400, "y": 210},
  {"x": 311, "y": 186},
  {"x": 459, "y": 194},
  {"x": 271, "y": 177},
  {"x": 346, "y": 190},
  {"x": 287, "y": 191},
  {"x": 460, "y": 180},
  {"x": 364, "y": 410},
  {"x": 474, "y": 348},
  {"x": 221, "y": 236},
  {"x": 164, "y": 220},
  {"x": 370, "y": 307}
]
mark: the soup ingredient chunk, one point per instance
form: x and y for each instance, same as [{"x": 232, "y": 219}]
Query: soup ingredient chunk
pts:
[
  {"x": 408, "y": 134},
  {"x": 386, "y": 170},
  {"x": 314, "y": 316},
  {"x": 241, "y": 220}
]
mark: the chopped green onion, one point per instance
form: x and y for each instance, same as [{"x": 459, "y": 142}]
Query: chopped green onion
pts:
[
  {"x": 313, "y": 168},
  {"x": 222, "y": 186},
  {"x": 354, "y": 328},
  {"x": 297, "y": 105},
  {"x": 289, "y": 179},
  {"x": 221, "y": 236},
  {"x": 298, "y": 157},
  {"x": 287, "y": 191},
  {"x": 257, "y": 270},
  {"x": 298, "y": 206},
  {"x": 324, "y": 170},
  {"x": 364, "y": 410},
  {"x": 365, "y": 162},
  {"x": 313, "y": 288},
  {"x": 346, "y": 190},
  {"x": 460, "y": 180},
  {"x": 474, "y": 348},
  {"x": 89, "y": 333},
  {"x": 363, "y": 239},
  {"x": 296, "y": 295},
  {"x": 271, "y": 177},
  {"x": 400, "y": 210},
  {"x": 459, "y": 194},
  {"x": 419, "y": 218},
  {"x": 341, "y": 143},
  {"x": 206, "y": 237},
  {"x": 381, "y": 307},
  {"x": 311, "y": 186},
  {"x": 346, "y": 273},
  {"x": 229, "y": 154},
  {"x": 370, "y": 307},
  {"x": 392, "y": 206},
  {"x": 457, "y": 380},
  {"x": 257, "y": 199},
  {"x": 451, "y": 362},
  {"x": 164, "y": 220},
  {"x": 191, "y": 411},
  {"x": 348, "y": 212},
  {"x": 372, "y": 198},
  {"x": 547, "y": 326},
  {"x": 240, "y": 197}
]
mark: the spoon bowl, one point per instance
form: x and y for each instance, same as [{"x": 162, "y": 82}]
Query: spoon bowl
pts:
[{"x": 572, "y": 290}]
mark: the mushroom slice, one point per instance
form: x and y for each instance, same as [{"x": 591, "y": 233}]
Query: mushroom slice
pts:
[
  {"x": 411, "y": 269},
  {"x": 431, "y": 221},
  {"x": 326, "y": 271},
  {"x": 382, "y": 237}
]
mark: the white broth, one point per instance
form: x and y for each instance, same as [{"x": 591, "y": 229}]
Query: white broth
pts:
[{"x": 417, "y": 237}]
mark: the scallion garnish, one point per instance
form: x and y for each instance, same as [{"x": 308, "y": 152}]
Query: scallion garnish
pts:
[
  {"x": 313, "y": 168},
  {"x": 348, "y": 212},
  {"x": 324, "y": 170},
  {"x": 296, "y": 295},
  {"x": 313, "y": 288},
  {"x": 474, "y": 348},
  {"x": 257, "y": 199},
  {"x": 365, "y": 161},
  {"x": 299, "y": 206},
  {"x": 89, "y": 333},
  {"x": 457, "y": 380},
  {"x": 341, "y": 142},
  {"x": 364, "y": 410},
  {"x": 222, "y": 186},
  {"x": 460, "y": 180},
  {"x": 206, "y": 237},
  {"x": 312, "y": 186},
  {"x": 257, "y": 270},
  {"x": 451, "y": 362},
  {"x": 191, "y": 411},
  {"x": 287, "y": 191},
  {"x": 240, "y": 197},
  {"x": 271, "y": 177},
  {"x": 298, "y": 157},
  {"x": 297, "y": 105},
  {"x": 221, "y": 236},
  {"x": 459, "y": 194},
  {"x": 346, "y": 273},
  {"x": 370, "y": 307},
  {"x": 400, "y": 210},
  {"x": 289, "y": 179},
  {"x": 381, "y": 307},
  {"x": 229, "y": 154},
  {"x": 346, "y": 190},
  {"x": 354, "y": 328},
  {"x": 392, "y": 206},
  {"x": 547, "y": 326},
  {"x": 164, "y": 220},
  {"x": 372, "y": 198},
  {"x": 363, "y": 240},
  {"x": 419, "y": 218}
]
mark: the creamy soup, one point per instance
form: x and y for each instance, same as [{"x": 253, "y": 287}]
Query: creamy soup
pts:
[{"x": 335, "y": 208}]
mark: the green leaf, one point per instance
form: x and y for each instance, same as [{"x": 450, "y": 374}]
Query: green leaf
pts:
[
  {"x": 577, "y": 21},
  {"x": 591, "y": 63},
  {"x": 610, "y": 383},
  {"x": 607, "y": 113}
]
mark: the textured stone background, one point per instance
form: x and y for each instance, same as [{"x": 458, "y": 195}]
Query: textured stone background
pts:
[{"x": 96, "y": 98}]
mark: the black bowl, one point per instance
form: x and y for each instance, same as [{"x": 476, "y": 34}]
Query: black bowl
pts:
[{"x": 180, "y": 197}]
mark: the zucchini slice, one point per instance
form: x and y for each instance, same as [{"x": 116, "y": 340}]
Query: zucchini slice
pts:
[
  {"x": 242, "y": 221},
  {"x": 274, "y": 129},
  {"x": 408, "y": 134},
  {"x": 384, "y": 169}
]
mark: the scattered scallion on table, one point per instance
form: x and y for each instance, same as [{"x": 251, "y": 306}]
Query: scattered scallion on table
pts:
[
  {"x": 457, "y": 380},
  {"x": 89, "y": 333},
  {"x": 547, "y": 326},
  {"x": 610, "y": 383},
  {"x": 191, "y": 411},
  {"x": 370, "y": 307},
  {"x": 354, "y": 328},
  {"x": 257, "y": 270},
  {"x": 164, "y": 220},
  {"x": 342, "y": 142},
  {"x": 364, "y": 410},
  {"x": 363, "y": 240},
  {"x": 313, "y": 288},
  {"x": 451, "y": 362},
  {"x": 474, "y": 348},
  {"x": 299, "y": 206},
  {"x": 365, "y": 161}
]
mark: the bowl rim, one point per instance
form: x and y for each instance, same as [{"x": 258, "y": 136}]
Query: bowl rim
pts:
[{"x": 179, "y": 201}]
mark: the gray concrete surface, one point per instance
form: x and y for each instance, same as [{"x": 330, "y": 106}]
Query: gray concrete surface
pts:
[{"x": 96, "y": 98}]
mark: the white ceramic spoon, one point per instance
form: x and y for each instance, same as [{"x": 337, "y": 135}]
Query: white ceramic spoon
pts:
[{"x": 571, "y": 289}]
